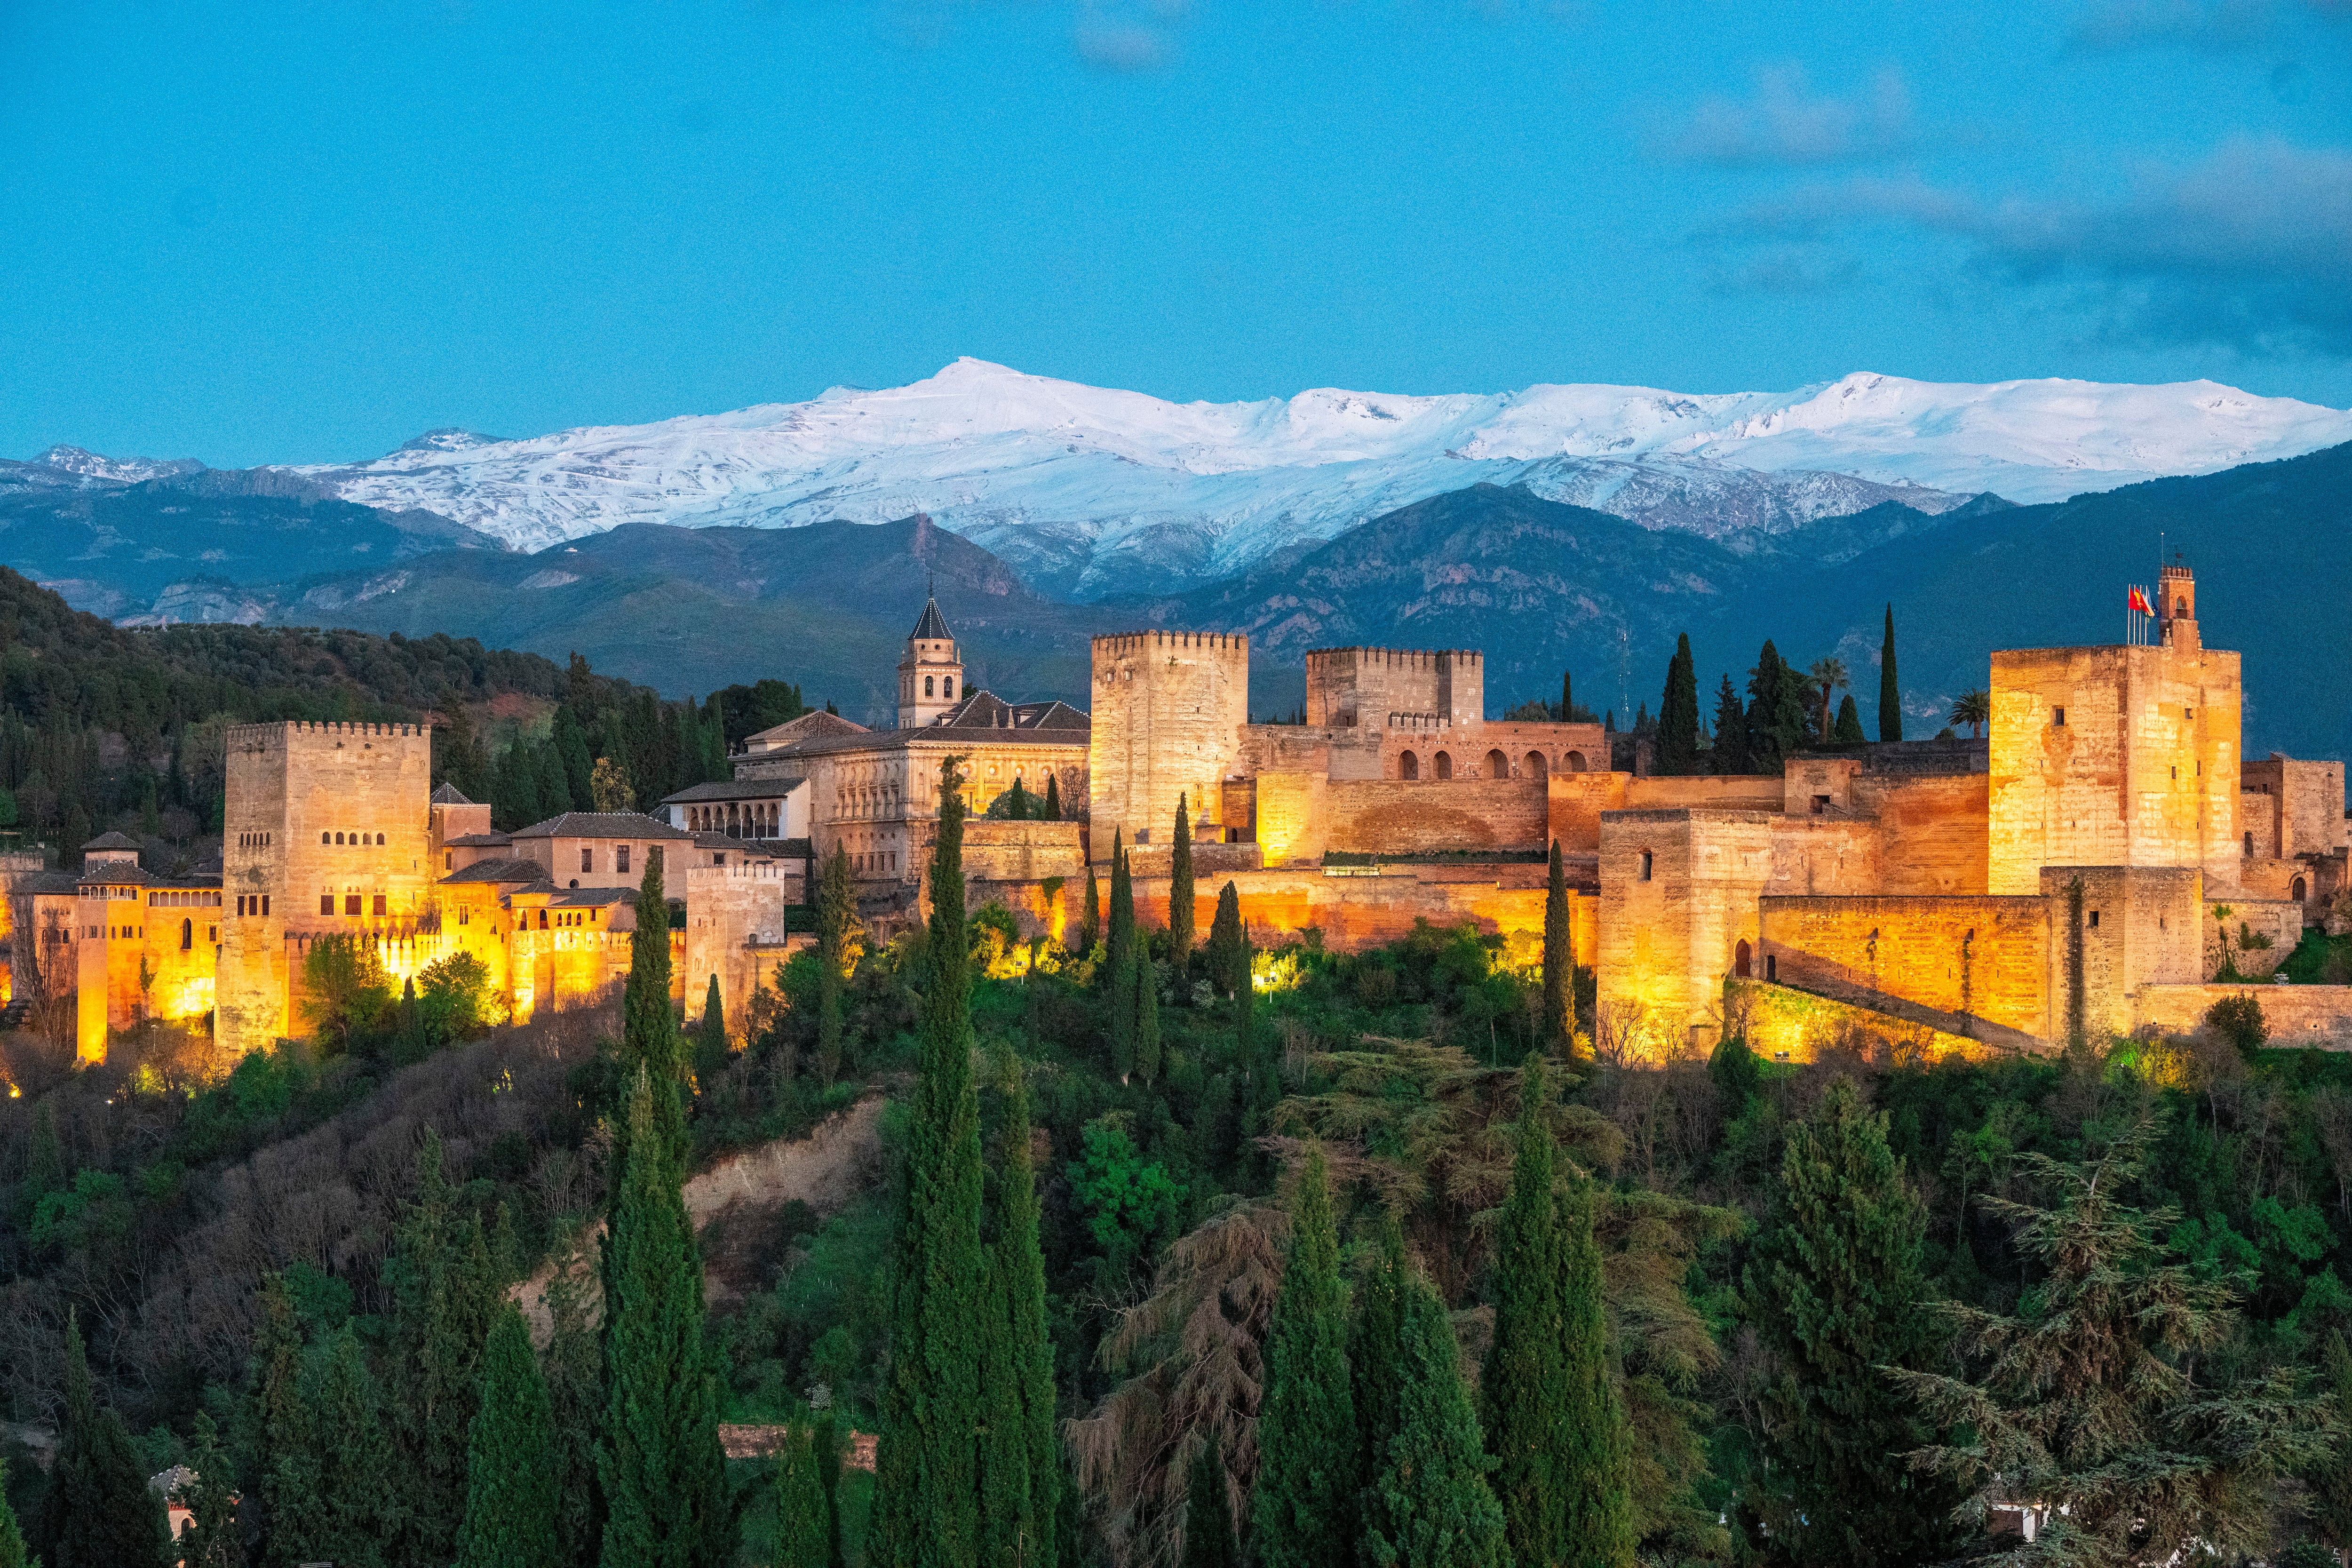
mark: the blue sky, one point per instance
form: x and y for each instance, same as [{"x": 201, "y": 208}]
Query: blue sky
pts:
[{"x": 261, "y": 232}]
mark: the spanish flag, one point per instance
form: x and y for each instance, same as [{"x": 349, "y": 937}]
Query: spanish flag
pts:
[{"x": 2139, "y": 603}]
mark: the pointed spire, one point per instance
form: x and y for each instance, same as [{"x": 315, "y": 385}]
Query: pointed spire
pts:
[{"x": 933, "y": 626}]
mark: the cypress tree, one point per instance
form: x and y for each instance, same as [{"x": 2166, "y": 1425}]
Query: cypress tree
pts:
[
  {"x": 710, "y": 1032},
  {"x": 659, "y": 1464},
  {"x": 1833, "y": 1288},
  {"x": 510, "y": 1491},
  {"x": 575, "y": 1403},
  {"x": 828, "y": 1474},
  {"x": 1524, "y": 1389},
  {"x": 1430, "y": 1506},
  {"x": 649, "y": 1037},
  {"x": 925, "y": 1510},
  {"x": 1020, "y": 1456},
  {"x": 1228, "y": 953},
  {"x": 1147, "y": 1026},
  {"x": 1376, "y": 1352},
  {"x": 1208, "y": 1511},
  {"x": 353, "y": 1458},
  {"x": 1596, "y": 1471},
  {"x": 1120, "y": 1003},
  {"x": 1890, "y": 690},
  {"x": 443, "y": 1293},
  {"x": 12, "y": 1537},
  {"x": 211, "y": 1537},
  {"x": 555, "y": 796},
  {"x": 1180, "y": 893},
  {"x": 283, "y": 1477},
  {"x": 2332, "y": 1483},
  {"x": 1016, "y": 802},
  {"x": 1053, "y": 808},
  {"x": 1848, "y": 728},
  {"x": 1731, "y": 753},
  {"x": 570, "y": 742},
  {"x": 1777, "y": 720},
  {"x": 1678, "y": 714},
  {"x": 1304, "y": 1505},
  {"x": 1558, "y": 959},
  {"x": 802, "y": 1536},
  {"x": 1090, "y": 917},
  {"x": 1566, "y": 700},
  {"x": 97, "y": 1511},
  {"x": 835, "y": 912}
]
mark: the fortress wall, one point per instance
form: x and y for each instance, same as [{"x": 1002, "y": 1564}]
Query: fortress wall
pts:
[
  {"x": 1300, "y": 817},
  {"x": 1354, "y": 912},
  {"x": 1168, "y": 708},
  {"x": 1932, "y": 831},
  {"x": 2259, "y": 816},
  {"x": 1670, "y": 926},
  {"x": 1361, "y": 687},
  {"x": 2280, "y": 919},
  {"x": 735, "y": 929},
  {"x": 1018, "y": 851},
  {"x": 2138, "y": 926},
  {"x": 2309, "y": 1016},
  {"x": 2306, "y": 805},
  {"x": 1965, "y": 957},
  {"x": 1574, "y": 805},
  {"x": 1724, "y": 791},
  {"x": 1785, "y": 1024},
  {"x": 1815, "y": 787},
  {"x": 1560, "y": 748}
]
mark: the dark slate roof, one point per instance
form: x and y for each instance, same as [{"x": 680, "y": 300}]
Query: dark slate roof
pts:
[
  {"x": 986, "y": 710},
  {"x": 48, "y": 882},
  {"x": 113, "y": 841},
  {"x": 501, "y": 871},
  {"x": 600, "y": 824},
  {"x": 983, "y": 715},
  {"x": 764, "y": 848},
  {"x": 589, "y": 898},
  {"x": 932, "y": 627},
  {"x": 807, "y": 727},
  {"x": 119, "y": 874},
  {"x": 734, "y": 789},
  {"x": 448, "y": 796},
  {"x": 479, "y": 841}
]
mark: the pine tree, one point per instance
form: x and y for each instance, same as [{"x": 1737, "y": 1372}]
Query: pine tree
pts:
[
  {"x": 1375, "y": 1352},
  {"x": 926, "y": 1510},
  {"x": 511, "y": 1490},
  {"x": 835, "y": 912},
  {"x": 12, "y": 1537},
  {"x": 1208, "y": 1511},
  {"x": 1090, "y": 915},
  {"x": 1833, "y": 1288},
  {"x": 574, "y": 1374},
  {"x": 1228, "y": 952},
  {"x": 283, "y": 1477},
  {"x": 570, "y": 742},
  {"x": 1429, "y": 1506},
  {"x": 1019, "y": 1455},
  {"x": 2331, "y": 1481},
  {"x": 1304, "y": 1505},
  {"x": 1596, "y": 1471},
  {"x": 649, "y": 1037},
  {"x": 1777, "y": 720},
  {"x": 443, "y": 1293},
  {"x": 1524, "y": 1389},
  {"x": 659, "y": 1464},
  {"x": 97, "y": 1511},
  {"x": 1678, "y": 714},
  {"x": 353, "y": 1458},
  {"x": 1052, "y": 810},
  {"x": 1731, "y": 752},
  {"x": 213, "y": 1538},
  {"x": 1180, "y": 893},
  {"x": 1558, "y": 959},
  {"x": 802, "y": 1536},
  {"x": 1147, "y": 1026},
  {"x": 1119, "y": 1003},
  {"x": 1890, "y": 690}
]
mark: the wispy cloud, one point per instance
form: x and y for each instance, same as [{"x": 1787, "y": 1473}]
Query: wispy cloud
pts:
[
  {"x": 1782, "y": 124},
  {"x": 2251, "y": 246}
]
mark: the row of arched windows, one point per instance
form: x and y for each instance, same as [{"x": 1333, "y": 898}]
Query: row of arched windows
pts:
[
  {"x": 1534, "y": 765},
  {"x": 350, "y": 838}
]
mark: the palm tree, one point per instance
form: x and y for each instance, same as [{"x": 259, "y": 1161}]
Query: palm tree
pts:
[
  {"x": 1829, "y": 674},
  {"x": 1973, "y": 709}
]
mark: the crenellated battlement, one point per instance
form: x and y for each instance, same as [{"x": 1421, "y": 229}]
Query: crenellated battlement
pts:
[
  {"x": 1407, "y": 687},
  {"x": 1397, "y": 657},
  {"x": 1113, "y": 644},
  {"x": 249, "y": 734}
]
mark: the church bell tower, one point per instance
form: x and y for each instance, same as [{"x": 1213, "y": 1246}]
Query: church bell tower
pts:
[{"x": 930, "y": 677}]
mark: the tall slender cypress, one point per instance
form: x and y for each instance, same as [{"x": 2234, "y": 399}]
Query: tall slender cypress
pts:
[
  {"x": 443, "y": 1293},
  {"x": 710, "y": 1032},
  {"x": 649, "y": 1036},
  {"x": 97, "y": 1511},
  {"x": 1228, "y": 953},
  {"x": 1596, "y": 1474},
  {"x": 1304, "y": 1505},
  {"x": 214, "y": 1537},
  {"x": 1208, "y": 1509},
  {"x": 1021, "y": 1455},
  {"x": 283, "y": 1477},
  {"x": 802, "y": 1537},
  {"x": 1147, "y": 1024},
  {"x": 353, "y": 1458},
  {"x": 1558, "y": 959},
  {"x": 826, "y": 1441},
  {"x": 511, "y": 1500},
  {"x": 1524, "y": 1392},
  {"x": 1890, "y": 690},
  {"x": 1567, "y": 698},
  {"x": 1375, "y": 1350},
  {"x": 1119, "y": 1003},
  {"x": 11, "y": 1536},
  {"x": 574, "y": 1374},
  {"x": 1180, "y": 891},
  {"x": 1731, "y": 753},
  {"x": 834, "y": 911},
  {"x": 1678, "y": 714},
  {"x": 1429, "y": 1505},
  {"x": 1053, "y": 808},
  {"x": 1090, "y": 915},
  {"x": 926, "y": 1509},
  {"x": 659, "y": 1465}
]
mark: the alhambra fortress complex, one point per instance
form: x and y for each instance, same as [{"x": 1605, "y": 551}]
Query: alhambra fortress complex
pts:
[{"x": 2090, "y": 868}]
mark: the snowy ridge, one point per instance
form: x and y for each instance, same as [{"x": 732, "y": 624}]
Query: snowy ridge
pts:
[{"x": 1100, "y": 490}]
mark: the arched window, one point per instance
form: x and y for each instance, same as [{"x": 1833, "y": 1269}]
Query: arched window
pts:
[
  {"x": 1535, "y": 765},
  {"x": 1445, "y": 768},
  {"x": 378, "y": 839},
  {"x": 323, "y": 839},
  {"x": 2299, "y": 891},
  {"x": 2250, "y": 844},
  {"x": 1499, "y": 766},
  {"x": 927, "y": 686},
  {"x": 947, "y": 685},
  {"x": 1742, "y": 959},
  {"x": 1408, "y": 765},
  {"x": 1576, "y": 762},
  {"x": 2250, "y": 839},
  {"x": 187, "y": 935},
  {"x": 2180, "y": 608}
]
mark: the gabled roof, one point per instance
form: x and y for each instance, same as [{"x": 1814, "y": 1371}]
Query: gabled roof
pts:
[
  {"x": 601, "y": 824},
  {"x": 807, "y": 727},
  {"x": 112, "y": 841},
  {"x": 501, "y": 870},
  {"x": 448, "y": 796},
  {"x": 119, "y": 874},
  {"x": 755, "y": 848},
  {"x": 986, "y": 710},
  {"x": 735, "y": 789},
  {"x": 478, "y": 841},
  {"x": 933, "y": 626}
]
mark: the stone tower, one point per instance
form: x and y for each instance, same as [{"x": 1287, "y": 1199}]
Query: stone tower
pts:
[
  {"x": 1168, "y": 708},
  {"x": 930, "y": 677},
  {"x": 324, "y": 833}
]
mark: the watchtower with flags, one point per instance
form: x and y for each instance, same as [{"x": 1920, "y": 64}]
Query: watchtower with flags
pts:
[{"x": 930, "y": 677}]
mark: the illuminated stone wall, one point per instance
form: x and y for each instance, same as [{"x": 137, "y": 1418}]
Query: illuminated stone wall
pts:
[
  {"x": 2137, "y": 927},
  {"x": 2312, "y": 1016},
  {"x": 1357, "y": 911},
  {"x": 1303, "y": 817},
  {"x": 1960, "y": 959},
  {"x": 2278, "y": 920},
  {"x": 1362, "y": 687},
  {"x": 735, "y": 929},
  {"x": 1932, "y": 831},
  {"x": 1789, "y": 1026},
  {"x": 1168, "y": 708}
]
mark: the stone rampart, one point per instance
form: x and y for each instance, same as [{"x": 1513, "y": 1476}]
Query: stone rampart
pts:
[
  {"x": 1360, "y": 907},
  {"x": 735, "y": 918},
  {"x": 1931, "y": 831},
  {"x": 2313, "y": 1015},
  {"x": 1362, "y": 687},
  {"x": 1302, "y": 816},
  {"x": 1963, "y": 959},
  {"x": 1785, "y": 1025},
  {"x": 1168, "y": 709},
  {"x": 2275, "y": 924}
]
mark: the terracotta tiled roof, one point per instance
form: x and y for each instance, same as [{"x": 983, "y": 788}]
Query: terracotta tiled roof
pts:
[{"x": 601, "y": 824}]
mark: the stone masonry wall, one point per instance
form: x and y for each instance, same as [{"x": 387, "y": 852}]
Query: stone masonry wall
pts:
[
  {"x": 2279, "y": 919},
  {"x": 1168, "y": 708},
  {"x": 2137, "y": 927},
  {"x": 1303, "y": 817},
  {"x": 2308, "y": 1016},
  {"x": 1962, "y": 958},
  {"x": 1931, "y": 831}
]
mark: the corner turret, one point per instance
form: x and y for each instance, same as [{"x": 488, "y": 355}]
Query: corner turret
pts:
[{"x": 930, "y": 677}]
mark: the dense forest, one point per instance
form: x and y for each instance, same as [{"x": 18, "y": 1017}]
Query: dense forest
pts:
[{"x": 1173, "y": 1252}]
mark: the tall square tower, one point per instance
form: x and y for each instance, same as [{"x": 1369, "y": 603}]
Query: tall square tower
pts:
[{"x": 1169, "y": 708}]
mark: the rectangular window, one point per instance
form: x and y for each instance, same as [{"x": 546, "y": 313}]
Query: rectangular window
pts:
[
  {"x": 1773, "y": 967},
  {"x": 379, "y": 903},
  {"x": 2059, "y": 717},
  {"x": 621, "y": 860},
  {"x": 265, "y": 905},
  {"x": 351, "y": 903},
  {"x": 587, "y": 858},
  {"x": 1645, "y": 864},
  {"x": 326, "y": 903},
  {"x": 448, "y": 860},
  {"x": 1821, "y": 804},
  {"x": 2094, "y": 919}
]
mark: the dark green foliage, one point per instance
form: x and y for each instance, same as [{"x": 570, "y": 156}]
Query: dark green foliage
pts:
[
  {"x": 1208, "y": 1512},
  {"x": 2239, "y": 1019},
  {"x": 1558, "y": 959},
  {"x": 1890, "y": 688},
  {"x": 510, "y": 1493},
  {"x": 1678, "y": 714},
  {"x": 2090, "y": 1402},
  {"x": 97, "y": 1511},
  {"x": 573, "y": 1372},
  {"x": 1304, "y": 1505},
  {"x": 1052, "y": 810},
  {"x": 1735, "y": 1073},
  {"x": 1429, "y": 1505},
  {"x": 1596, "y": 1471},
  {"x": 1835, "y": 1287},
  {"x": 11, "y": 1536},
  {"x": 1020, "y": 1468},
  {"x": 1090, "y": 915},
  {"x": 804, "y": 1527},
  {"x": 1524, "y": 1393},
  {"x": 2331, "y": 1481},
  {"x": 743, "y": 712},
  {"x": 710, "y": 1047},
  {"x": 1180, "y": 891},
  {"x": 1119, "y": 995},
  {"x": 214, "y": 1537},
  {"x": 351, "y": 1459},
  {"x": 926, "y": 1496},
  {"x": 282, "y": 1474},
  {"x": 649, "y": 1037},
  {"x": 1731, "y": 754},
  {"x": 1847, "y": 731},
  {"x": 1376, "y": 1349},
  {"x": 828, "y": 1446},
  {"x": 659, "y": 1465},
  {"x": 569, "y": 739},
  {"x": 1228, "y": 954},
  {"x": 1147, "y": 1024},
  {"x": 836, "y": 913},
  {"x": 1778, "y": 725}
]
